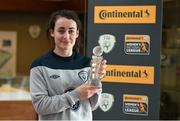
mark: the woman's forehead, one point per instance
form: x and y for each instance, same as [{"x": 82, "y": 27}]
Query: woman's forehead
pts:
[{"x": 64, "y": 22}]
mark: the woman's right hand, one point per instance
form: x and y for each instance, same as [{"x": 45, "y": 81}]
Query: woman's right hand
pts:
[{"x": 86, "y": 91}]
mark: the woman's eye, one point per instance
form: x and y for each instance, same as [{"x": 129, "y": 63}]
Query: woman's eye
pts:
[
  {"x": 61, "y": 31},
  {"x": 71, "y": 31}
]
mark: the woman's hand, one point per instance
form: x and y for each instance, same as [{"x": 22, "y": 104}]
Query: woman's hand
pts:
[
  {"x": 86, "y": 91},
  {"x": 102, "y": 69}
]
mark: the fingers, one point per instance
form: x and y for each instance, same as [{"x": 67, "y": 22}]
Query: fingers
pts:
[
  {"x": 87, "y": 86},
  {"x": 90, "y": 87},
  {"x": 87, "y": 91},
  {"x": 104, "y": 62},
  {"x": 102, "y": 75},
  {"x": 102, "y": 70},
  {"x": 95, "y": 87},
  {"x": 103, "y": 65},
  {"x": 93, "y": 64}
]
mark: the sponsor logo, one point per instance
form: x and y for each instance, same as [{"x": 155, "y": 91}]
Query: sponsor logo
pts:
[
  {"x": 54, "y": 76},
  {"x": 125, "y": 14},
  {"x": 106, "y": 101},
  {"x": 107, "y": 42},
  {"x": 135, "y": 104},
  {"x": 129, "y": 74},
  {"x": 83, "y": 75},
  {"x": 137, "y": 44}
]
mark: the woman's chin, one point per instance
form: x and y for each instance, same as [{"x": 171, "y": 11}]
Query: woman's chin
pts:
[{"x": 67, "y": 49}]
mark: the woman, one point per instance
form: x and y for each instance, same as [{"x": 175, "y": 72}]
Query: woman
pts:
[{"x": 58, "y": 79}]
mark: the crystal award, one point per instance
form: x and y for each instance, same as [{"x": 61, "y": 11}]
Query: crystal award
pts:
[{"x": 96, "y": 61}]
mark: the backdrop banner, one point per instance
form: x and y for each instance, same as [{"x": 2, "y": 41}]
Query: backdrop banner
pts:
[{"x": 129, "y": 34}]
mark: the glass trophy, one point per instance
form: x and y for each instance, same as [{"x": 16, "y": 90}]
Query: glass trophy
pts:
[{"x": 96, "y": 61}]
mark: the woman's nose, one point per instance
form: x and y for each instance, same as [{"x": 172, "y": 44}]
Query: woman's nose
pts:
[{"x": 66, "y": 34}]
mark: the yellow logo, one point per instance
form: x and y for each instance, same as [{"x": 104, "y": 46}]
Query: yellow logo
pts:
[
  {"x": 129, "y": 74},
  {"x": 137, "y": 44},
  {"x": 135, "y": 104},
  {"x": 125, "y": 14}
]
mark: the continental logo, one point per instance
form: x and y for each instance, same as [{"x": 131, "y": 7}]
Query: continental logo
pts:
[
  {"x": 137, "y": 38},
  {"x": 129, "y": 74},
  {"x": 125, "y": 14},
  {"x": 135, "y": 98}
]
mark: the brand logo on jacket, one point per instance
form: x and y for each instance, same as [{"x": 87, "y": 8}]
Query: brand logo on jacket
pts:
[{"x": 54, "y": 76}]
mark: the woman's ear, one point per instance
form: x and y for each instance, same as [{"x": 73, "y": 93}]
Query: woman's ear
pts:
[
  {"x": 77, "y": 34},
  {"x": 51, "y": 32}
]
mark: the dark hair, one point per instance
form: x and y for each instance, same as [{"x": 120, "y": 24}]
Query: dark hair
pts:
[{"x": 69, "y": 14}]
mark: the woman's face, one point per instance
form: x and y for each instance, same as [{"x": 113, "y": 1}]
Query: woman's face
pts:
[{"x": 65, "y": 34}]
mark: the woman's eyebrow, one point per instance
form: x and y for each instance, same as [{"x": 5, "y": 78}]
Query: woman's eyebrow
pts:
[
  {"x": 61, "y": 27},
  {"x": 68, "y": 28},
  {"x": 71, "y": 28}
]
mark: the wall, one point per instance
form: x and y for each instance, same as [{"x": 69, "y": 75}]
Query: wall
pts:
[
  {"x": 170, "y": 61},
  {"x": 27, "y": 47}
]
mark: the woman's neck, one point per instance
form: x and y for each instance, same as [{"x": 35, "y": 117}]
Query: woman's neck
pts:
[{"x": 62, "y": 53}]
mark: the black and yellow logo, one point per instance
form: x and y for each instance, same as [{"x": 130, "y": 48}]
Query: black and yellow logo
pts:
[
  {"x": 135, "y": 104},
  {"x": 125, "y": 14},
  {"x": 137, "y": 44},
  {"x": 129, "y": 74}
]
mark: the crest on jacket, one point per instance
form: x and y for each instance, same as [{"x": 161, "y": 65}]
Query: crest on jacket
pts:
[{"x": 83, "y": 75}]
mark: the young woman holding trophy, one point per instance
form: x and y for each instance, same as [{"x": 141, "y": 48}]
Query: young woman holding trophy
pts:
[{"x": 59, "y": 79}]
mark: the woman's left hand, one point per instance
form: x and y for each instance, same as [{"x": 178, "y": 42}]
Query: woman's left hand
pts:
[{"x": 102, "y": 69}]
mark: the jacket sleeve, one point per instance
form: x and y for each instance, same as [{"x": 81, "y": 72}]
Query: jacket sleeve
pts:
[
  {"x": 94, "y": 100},
  {"x": 42, "y": 102}
]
